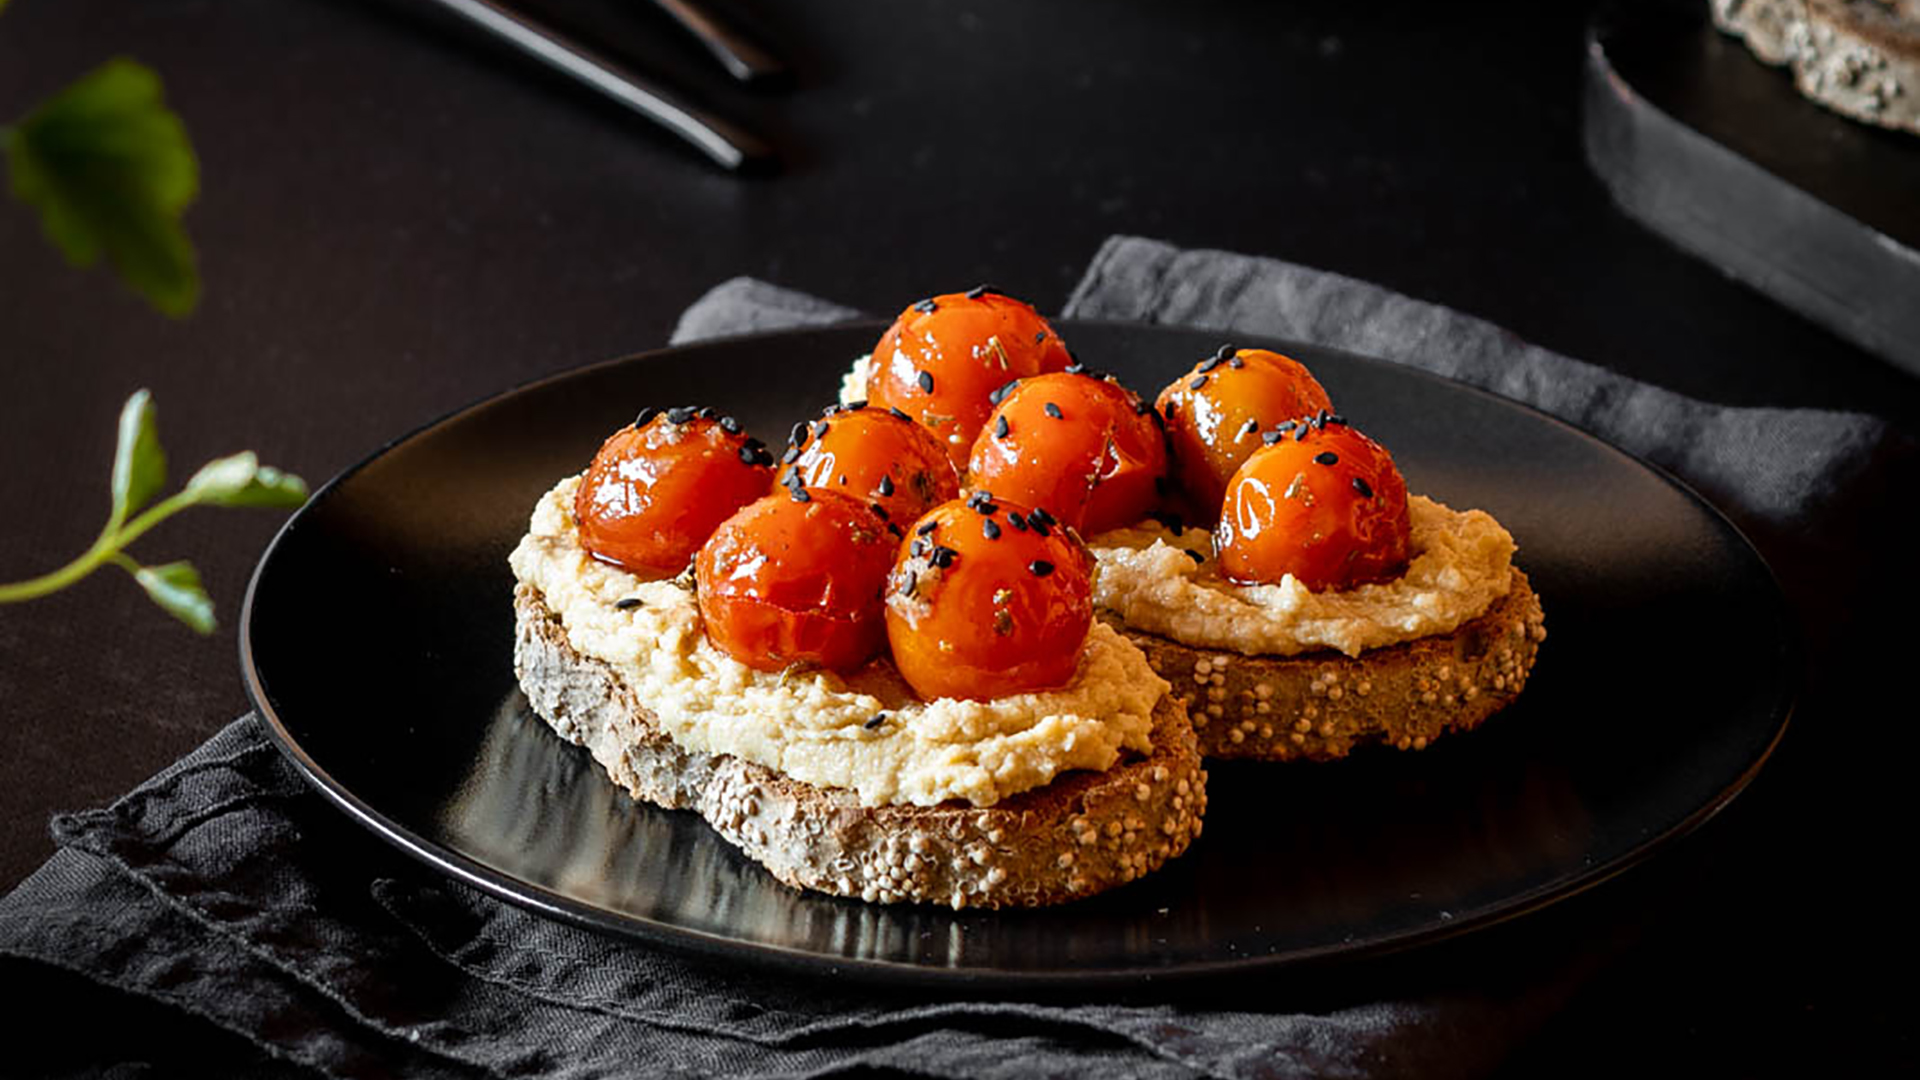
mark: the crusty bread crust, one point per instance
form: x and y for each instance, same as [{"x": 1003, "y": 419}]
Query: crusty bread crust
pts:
[
  {"x": 1858, "y": 57},
  {"x": 1320, "y": 705},
  {"x": 1083, "y": 833}
]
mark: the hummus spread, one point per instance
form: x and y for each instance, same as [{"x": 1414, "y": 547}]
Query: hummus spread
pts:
[
  {"x": 864, "y": 730},
  {"x": 1462, "y": 562}
]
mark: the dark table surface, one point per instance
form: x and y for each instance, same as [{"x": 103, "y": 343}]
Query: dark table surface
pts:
[{"x": 398, "y": 217}]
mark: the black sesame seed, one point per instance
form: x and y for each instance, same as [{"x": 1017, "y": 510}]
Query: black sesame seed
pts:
[
  {"x": 629, "y": 603},
  {"x": 925, "y": 527},
  {"x": 855, "y": 405},
  {"x": 792, "y": 455},
  {"x": 1209, "y": 365},
  {"x": 911, "y": 583},
  {"x": 1076, "y": 369},
  {"x": 729, "y": 425},
  {"x": 942, "y": 556},
  {"x": 1236, "y": 363},
  {"x": 1226, "y": 352},
  {"x": 1040, "y": 567},
  {"x": 842, "y": 481},
  {"x": 1054, "y": 411},
  {"x": 886, "y": 485},
  {"x": 878, "y": 509},
  {"x": 1018, "y": 520},
  {"x": 1326, "y": 457},
  {"x": 990, "y": 529},
  {"x": 1252, "y": 426},
  {"x": 1140, "y": 407},
  {"x": 1039, "y": 527},
  {"x": 749, "y": 455},
  {"x": 1039, "y": 336},
  {"x": 832, "y": 410},
  {"x": 799, "y": 433},
  {"x": 1000, "y": 392},
  {"x": 1195, "y": 556},
  {"x": 894, "y": 528},
  {"x": 794, "y": 480},
  {"x": 1300, "y": 434},
  {"x": 926, "y": 307},
  {"x": 708, "y": 412},
  {"x": 799, "y": 494},
  {"x": 646, "y": 415},
  {"x": 1039, "y": 514},
  {"x": 1197, "y": 382},
  {"x": 917, "y": 548},
  {"x": 820, "y": 429},
  {"x": 1000, "y": 427},
  {"x": 897, "y": 411},
  {"x": 925, "y": 379},
  {"x": 1360, "y": 486},
  {"x": 1273, "y": 436},
  {"x": 979, "y": 291},
  {"x": 878, "y": 719},
  {"x": 679, "y": 415},
  {"x": 1340, "y": 420}
]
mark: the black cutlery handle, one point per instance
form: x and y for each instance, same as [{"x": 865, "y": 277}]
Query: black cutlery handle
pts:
[
  {"x": 743, "y": 58},
  {"x": 727, "y": 144}
]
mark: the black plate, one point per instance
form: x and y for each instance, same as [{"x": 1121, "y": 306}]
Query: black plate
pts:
[{"x": 377, "y": 638}]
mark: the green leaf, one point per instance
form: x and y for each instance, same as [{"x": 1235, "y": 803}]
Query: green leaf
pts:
[
  {"x": 240, "y": 480},
  {"x": 110, "y": 169},
  {"x": 139, "y": 465},
  {"x": 176, "y": 587}
]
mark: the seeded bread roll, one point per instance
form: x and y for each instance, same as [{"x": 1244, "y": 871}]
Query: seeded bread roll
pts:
[
  {"x": 1320, "y": 705},
  {"x": 1081, "y": 834}
]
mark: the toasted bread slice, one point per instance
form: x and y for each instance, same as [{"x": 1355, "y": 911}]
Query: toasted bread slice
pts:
[
  {"x": 1321, "y": 705},
  {"x": 1084, "y": 832}
]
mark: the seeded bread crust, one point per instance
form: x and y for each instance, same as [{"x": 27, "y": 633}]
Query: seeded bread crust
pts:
[
  {"x": 1079, "y": 835},
  {"x": 1858, "y": 57},
  {"x": 1319, "y": 706}
]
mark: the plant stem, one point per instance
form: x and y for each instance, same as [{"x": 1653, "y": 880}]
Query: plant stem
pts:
[{"x": 107, "y": 547}]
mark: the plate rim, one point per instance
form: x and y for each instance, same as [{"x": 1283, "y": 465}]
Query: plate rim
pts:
[{"x": 703, "y": 943}]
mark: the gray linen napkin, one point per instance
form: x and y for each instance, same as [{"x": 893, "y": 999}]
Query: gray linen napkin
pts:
[{"x": 228, "y": 919}]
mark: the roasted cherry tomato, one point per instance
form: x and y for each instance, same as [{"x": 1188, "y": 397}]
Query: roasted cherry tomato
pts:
[
  {"x": 658, "y": 487},
  {"x": 944, "y": 355},
  {"x": 875, "y": 455},
  {"x": 1216, "y": 412},
  {"x": 1320, "y": 501},
  {"x": 988, "y": 598},
  {"x": 1083, "y": 446},
  {"x": 797, "y": 578}
]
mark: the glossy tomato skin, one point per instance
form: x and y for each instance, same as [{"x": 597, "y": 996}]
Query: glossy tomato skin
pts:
[
  {"x": 1081, "y": 445},
  {"x": 1214, "y": 415},
  {"x": 657, "y": 488},
  {"x": 875, "y": 455},
  {"x": 797, "y": 577},
  {"x": 1329, "y": 508},
  {"x": 944, "y": 355},
  {"x": 985, "y": 601}
]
